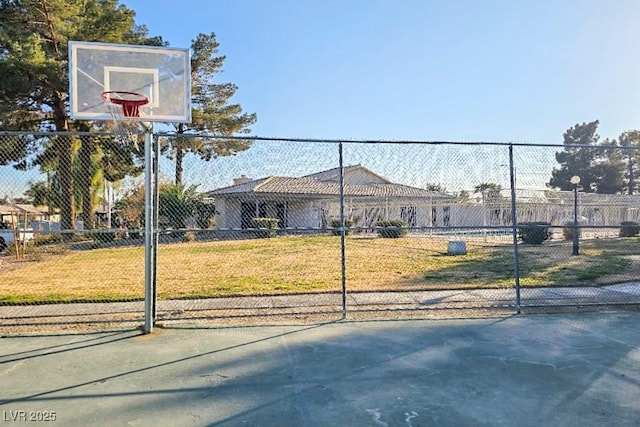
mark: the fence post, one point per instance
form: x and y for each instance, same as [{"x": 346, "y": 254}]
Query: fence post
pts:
[
  {"x": 156, "y": 228},
  {"x": 149, "y": 247},
  {"x": 514, "y": 227},
  {"x": 343, "y": 257}
]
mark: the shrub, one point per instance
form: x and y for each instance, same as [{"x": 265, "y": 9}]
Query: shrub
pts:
[
  {"x": 10, "y": 249},
  {"x": 136, "y": 234},
  {"x": 36, "y": 252},
  {"x": 177, "y": 202},
  {"x": 629, "y": 229},
  {"x": 266, "y": 226},
  {"x": 391, "y": 229},
  {"x": 47, "y": 239},
  {"x": 205, "y": 214},
  {"x": 335, "y": 225},
  {"x": 177, "y": 234},
  {"x": 534, "y": 233},
  {"x": 104, "y": 236},
  {"x": 76, "y": 237},
  {"x": 567, "y": 231}
]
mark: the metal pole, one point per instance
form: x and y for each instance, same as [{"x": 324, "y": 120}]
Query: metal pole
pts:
[
  {"x": 342, "y": 236},
  {"x": 514, "y": 228},
  {"x": 149, "y": 303},
  {"x": 156, "y": 210},
  {"x": 576, "y": 243}
]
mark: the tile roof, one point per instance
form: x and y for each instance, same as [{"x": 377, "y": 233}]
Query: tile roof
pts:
[
  {"x": 334, "y": 174},
  {"x": 390, "y": 190},
  {"x": 322, "y": 184},
  {"x": 21, "y": 208}
]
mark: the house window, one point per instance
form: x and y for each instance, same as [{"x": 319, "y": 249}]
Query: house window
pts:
[
  {"x": 408, "y": 214},
  {"x": 248, "y": 211},
  {"x": 281, "y": 211}
]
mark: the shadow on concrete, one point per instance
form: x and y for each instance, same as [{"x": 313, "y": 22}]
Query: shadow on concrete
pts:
[{"x": 522, "y": 370}]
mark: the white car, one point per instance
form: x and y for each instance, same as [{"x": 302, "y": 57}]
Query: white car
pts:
[{"x": 8, "y": 235}]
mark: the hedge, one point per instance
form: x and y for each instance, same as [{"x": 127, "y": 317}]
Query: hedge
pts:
[
  {"x": 629, "y": 229},
  {"x": 105, "y": 236},
  {"x": 265, "y": 226},
  {"x": 534, "y": 233},
  {"x": 335, "y": 225},
  {"x": 391, "y": 229}
]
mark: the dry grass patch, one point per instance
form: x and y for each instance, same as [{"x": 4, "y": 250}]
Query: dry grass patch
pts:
[{"x": 300, "y": 264}]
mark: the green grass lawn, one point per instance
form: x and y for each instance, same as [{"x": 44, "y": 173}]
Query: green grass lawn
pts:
[{"x": 301, "y": 264}]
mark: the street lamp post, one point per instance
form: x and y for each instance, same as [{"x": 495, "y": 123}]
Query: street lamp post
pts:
[{"x": 575, "y": 180}]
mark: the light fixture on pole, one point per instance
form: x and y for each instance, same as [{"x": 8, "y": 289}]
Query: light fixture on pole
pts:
[{"x": 575, "y": 180}]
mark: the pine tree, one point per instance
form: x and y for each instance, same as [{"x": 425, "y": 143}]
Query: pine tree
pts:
[
  {"x": 578, "y": 158},
  {"x": 212, "y": 113},
  {"x": 631, "y": 139},
  {"x": 34, "y": 88},
  {"x": 599, "y": 166}
]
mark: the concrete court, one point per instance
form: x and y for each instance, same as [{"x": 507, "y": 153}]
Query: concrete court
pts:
[{"x": 529, "y": 370}]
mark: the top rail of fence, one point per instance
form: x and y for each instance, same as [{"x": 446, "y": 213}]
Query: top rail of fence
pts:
[{"x": 166, "y": 134}]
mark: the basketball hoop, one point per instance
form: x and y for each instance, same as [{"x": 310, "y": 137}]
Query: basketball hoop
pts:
[{"x": 125, "y": 109}]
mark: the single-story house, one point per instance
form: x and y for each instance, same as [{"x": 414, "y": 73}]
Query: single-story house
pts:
[
  {"x": 312, "y": 201},
  {"x": 17, "y": 212}
]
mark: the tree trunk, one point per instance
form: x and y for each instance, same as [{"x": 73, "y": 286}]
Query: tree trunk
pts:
[
  {"x": 179, "y": 155},
  {"x": 65, "y": 168},
  {"x": 50, "y": 209},
  {"x": 179, "y": 169},
  {"x": 86, "y": 172}
]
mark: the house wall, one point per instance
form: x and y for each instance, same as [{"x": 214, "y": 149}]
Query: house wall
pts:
[
  {"x": 421, "y": 213},
  {"x": 315, "y": 213},
  {"x": 10, "y": 214},
  {"x": 304, "y": 214},
  {"x": 300, "y": 214},
  {"x": 416, "y": 212},
  {"x": 601, "y": 215},
  {"x": 464, "y": 215},
  {"x": 555, "y": 214},
  {"x": 224, "y": 217}
]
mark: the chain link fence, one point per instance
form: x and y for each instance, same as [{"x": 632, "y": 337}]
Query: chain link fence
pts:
[{"x": 296, "y": 229}]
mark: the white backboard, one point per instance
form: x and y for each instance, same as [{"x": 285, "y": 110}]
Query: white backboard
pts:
[{"x": 161, "y": 74}]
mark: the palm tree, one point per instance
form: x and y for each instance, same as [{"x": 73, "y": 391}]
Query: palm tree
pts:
[
  {"x": 177, "y": 203},
  {"x": 489, "y": 191}
]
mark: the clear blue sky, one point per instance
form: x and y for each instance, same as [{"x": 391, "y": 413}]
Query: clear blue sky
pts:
[{"x": 496, "y": 70}]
